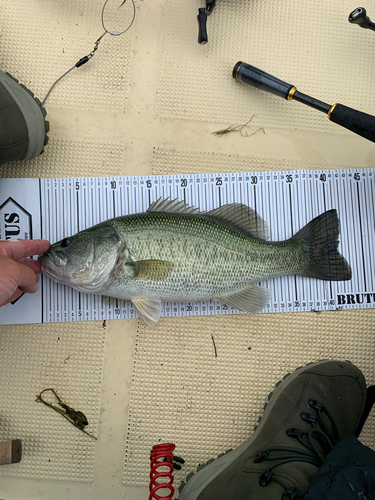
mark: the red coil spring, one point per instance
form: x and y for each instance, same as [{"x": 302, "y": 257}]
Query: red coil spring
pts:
[{"x": 161, "y": 455}]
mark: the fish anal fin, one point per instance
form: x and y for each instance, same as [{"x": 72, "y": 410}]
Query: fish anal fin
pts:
[
  {"x": 155, "y": 270},
  {"x": 251, "y": 299},
  {"x": 244, "y": 218},
  {"x": 148, "y": 309}
]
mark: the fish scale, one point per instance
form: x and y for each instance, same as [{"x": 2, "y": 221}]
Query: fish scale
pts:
[{"x": 223, "y": 259}]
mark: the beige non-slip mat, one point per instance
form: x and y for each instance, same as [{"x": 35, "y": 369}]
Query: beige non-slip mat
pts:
[
  {"x": 70, "y": 158},
  {"x": 62, "y": 32},
  {"x": 310, "y": 45},
  {"x": 180, "y": 161},
  {"x": 69, "y": 360},
  {"x": 183, "y": 393}
]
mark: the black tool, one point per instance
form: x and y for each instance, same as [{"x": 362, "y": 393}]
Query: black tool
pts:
[
  {"x": 359, "y": 16},
  {"x": 358, "y": 122},
  {"x": 202, "y": 21}
]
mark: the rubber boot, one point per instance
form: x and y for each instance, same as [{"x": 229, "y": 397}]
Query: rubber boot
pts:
[
  {"x": 23, "y": 127},
  {"x": 309, "y": 412}
]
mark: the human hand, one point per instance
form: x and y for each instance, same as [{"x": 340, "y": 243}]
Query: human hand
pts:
[{"x": 18, "y": 274}]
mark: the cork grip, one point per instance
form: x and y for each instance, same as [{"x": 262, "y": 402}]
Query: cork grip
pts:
[{"x": 10, "y": 452}]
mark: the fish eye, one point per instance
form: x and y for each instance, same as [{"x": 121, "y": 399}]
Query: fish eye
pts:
[{"x": 65, "y": 242}]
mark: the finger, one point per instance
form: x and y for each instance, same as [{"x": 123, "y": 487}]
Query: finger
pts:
[
  {"x": 31, "y": 288},
  {"x": 31, "y": 263},
  {"x": 15, "y": 296},
  {"x": 15, "y": 278},
  {"x": 29, "y": 283},
  {"x": 16, "y": 249}
]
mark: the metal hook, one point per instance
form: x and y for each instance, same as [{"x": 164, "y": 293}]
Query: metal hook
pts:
[{"x": 116, "y": 33}]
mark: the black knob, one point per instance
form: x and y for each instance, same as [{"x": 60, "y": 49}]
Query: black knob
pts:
[
  {"x": 202, "y": 26},
  {"x": 359, "y": 16}
]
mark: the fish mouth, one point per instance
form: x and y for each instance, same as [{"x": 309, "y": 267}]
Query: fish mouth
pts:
[{"x": 51, "y": 269}]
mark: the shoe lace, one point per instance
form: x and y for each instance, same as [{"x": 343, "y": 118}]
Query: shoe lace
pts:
[{"x": 318, "y": 442}]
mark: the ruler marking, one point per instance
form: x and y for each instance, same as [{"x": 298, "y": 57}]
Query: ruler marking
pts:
[
  {"x": 340, "y": 211},
  {"x": 106, "y": 203},
  {"x": 317, "y": 212},
  {"x": 325, "y": 210},
  {"x": 330, "y": 196},
  {"x": 361, "y": 236},
  {"x": 324, "y": 196},
  {"x": 312, "y": 287},
  {"x": 78, "y": 219},
  {"x": 262, "y": 197},
  {"x": 284, "y": 278},
  {"x": 354, "y": 227},
  {"x": 372, "y": 212},
  {"x": 49, "y": 210},
  {"x": 292, "y": 229},
  {"x": 278, "y": 237},
  {"x": 367, "y": 218},
  {"x": 50, "y": 231},
  {"x": 323, "y": 179},
  {"x": 41, "y": 220}
]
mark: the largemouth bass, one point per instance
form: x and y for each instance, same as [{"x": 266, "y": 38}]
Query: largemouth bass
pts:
[{"x": 174, "y": 252}]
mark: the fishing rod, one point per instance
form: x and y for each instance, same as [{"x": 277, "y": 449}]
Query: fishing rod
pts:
[{"x": 356, "y": 121}]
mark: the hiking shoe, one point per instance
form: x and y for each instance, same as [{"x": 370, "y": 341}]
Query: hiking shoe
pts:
[
  {"x": 23, "y": 128},
  {"x": 307, "y": 414}
]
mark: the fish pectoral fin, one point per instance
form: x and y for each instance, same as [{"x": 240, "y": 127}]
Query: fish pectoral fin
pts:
[
  {"x": 155, "y": 270},
  {"x": 251, "y": 299},
  {"x": 148, "y": 309}
]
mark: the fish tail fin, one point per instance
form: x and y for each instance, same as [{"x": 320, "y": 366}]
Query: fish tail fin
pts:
[{"x": 320, "y": 239}]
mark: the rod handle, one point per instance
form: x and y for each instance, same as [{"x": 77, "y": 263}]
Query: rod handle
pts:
[
  {"x": 258, "y": 78},
  {"x": 358, "y": 122}
]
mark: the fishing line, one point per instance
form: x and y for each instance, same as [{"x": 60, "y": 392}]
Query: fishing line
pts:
[{"x": 89, "y": 56}]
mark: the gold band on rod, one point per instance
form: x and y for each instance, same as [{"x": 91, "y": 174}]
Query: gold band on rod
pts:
[
  {"x": 238, "y": 69},
  {"x": 292, "y": 91},
  {"x": 331, "y": 110}
]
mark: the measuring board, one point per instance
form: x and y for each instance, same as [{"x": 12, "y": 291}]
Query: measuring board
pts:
[{"x": 287, "y": 200}]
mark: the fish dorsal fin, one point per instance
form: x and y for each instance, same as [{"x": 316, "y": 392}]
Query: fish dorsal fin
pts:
[
  {"x": 240, "y": 215},
  {"x": 172, "y": 206},
  {"x": 244, "y": 218},
  {"x": 148, "y": 309}
]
